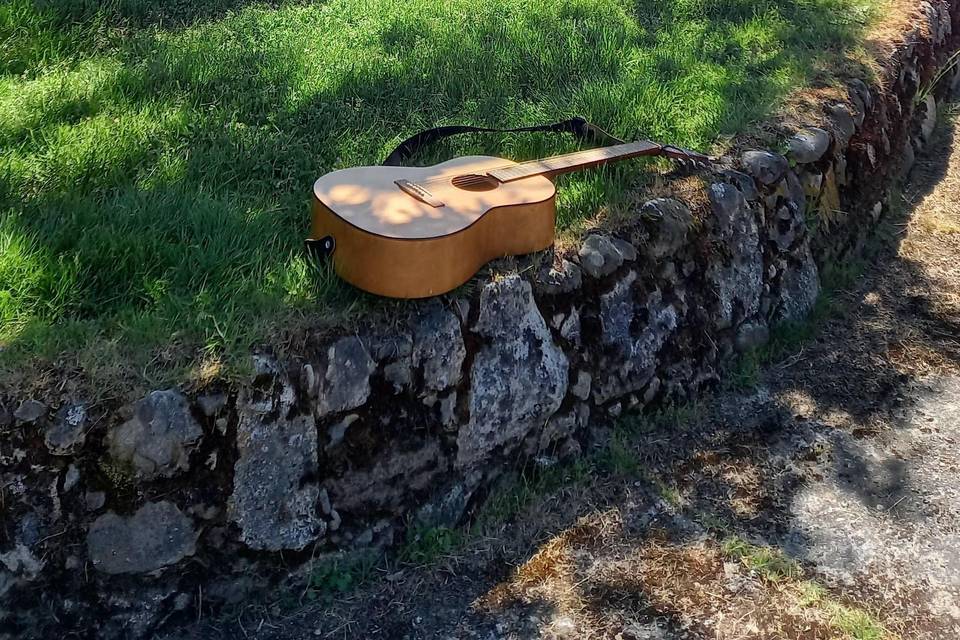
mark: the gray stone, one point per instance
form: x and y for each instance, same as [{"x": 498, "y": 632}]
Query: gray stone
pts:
[
  {"x": 908, "y": 158},
  {"x": 796, "y": 195},
  {"x": 446, "y": 510},
  {"x": 565, "y": 279},
  {"x": 518, "y": 379},
  {"x": 863, "y": 91},
  {"x": 158, "y": 439},
  {"x": 274, "y": 486},
  {"x": 765, "y": 166},
  {"x": 809, "y": 145},
  {"x": 630, "y": 360},
  {"x": 21, "y": 562},
  {"x": 751, "y": 336},
  {"x": 399, "y": 374},
  {"x": 71, "y": 478},
  {"x": 68, "y": 431},
  {"x": 95, "y": 500},
  {"x": 726, "y": 203},
  {"x": 599, "y": 256},
  {"x": 858, "y": 109},
  {"x": 843, "y": 123},
  {"x": 744, "y": 183},
  {"x": 563, "y": 425},
  {"x": 391, "y": 480},
  {"x": 339, "y": 430},
  {"x": 157, "y": 535},
  {"x": 438, "y": 347},
  {"x": 30, "y": 411},
  {"x": 627, "y": 251},
  {"x": 448, "y": 410},
  {"x": 929, "y": 123},
  {"x": 581, "y": 388},
  {"x": 672, "y": 220},
  {"x": 799, "y": 288},
  {"x": 211, "y": 404},
  {"x": 345, "y": 383},
  {"x": 389, "y": 345},
  {"x": 738, "y": 280},
  {"x": 326, "y": 507},
  {"x": 570, "y": 329}
]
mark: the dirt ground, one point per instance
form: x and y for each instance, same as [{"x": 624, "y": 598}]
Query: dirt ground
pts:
[{"x": 823, "y": 501}]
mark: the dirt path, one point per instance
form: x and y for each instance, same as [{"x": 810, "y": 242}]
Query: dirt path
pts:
[{"x": 822, "y": 502}]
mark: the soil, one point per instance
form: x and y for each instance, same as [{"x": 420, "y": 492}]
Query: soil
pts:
[{"x": 822, "y": 502}]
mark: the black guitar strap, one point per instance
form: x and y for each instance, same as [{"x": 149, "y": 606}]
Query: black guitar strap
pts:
[{"x": 577, "y": 126}]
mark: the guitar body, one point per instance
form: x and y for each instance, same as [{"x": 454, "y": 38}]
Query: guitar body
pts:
[{"x": 413, "y": 232}]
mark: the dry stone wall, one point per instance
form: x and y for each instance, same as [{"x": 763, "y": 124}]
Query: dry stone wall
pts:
[{"x": 112, "y": 517}]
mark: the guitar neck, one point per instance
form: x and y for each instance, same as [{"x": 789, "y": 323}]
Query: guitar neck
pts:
[{"x": 576, "y": 161}]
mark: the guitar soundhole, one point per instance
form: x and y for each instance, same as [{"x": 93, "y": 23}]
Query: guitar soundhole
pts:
[{"x": 475, "y": 182}]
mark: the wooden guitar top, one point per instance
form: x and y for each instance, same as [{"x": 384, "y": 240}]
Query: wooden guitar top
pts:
[{"x": 370, "y": 199}]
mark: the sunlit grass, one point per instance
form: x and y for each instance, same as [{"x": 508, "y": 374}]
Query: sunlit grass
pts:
[{"x": 156, "y": 158}]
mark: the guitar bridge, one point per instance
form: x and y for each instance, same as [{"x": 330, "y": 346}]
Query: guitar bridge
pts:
[{"x": 418, "y": 192}]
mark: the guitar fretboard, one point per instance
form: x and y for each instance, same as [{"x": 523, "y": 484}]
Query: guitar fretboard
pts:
[{"x": 573, "y": 161}]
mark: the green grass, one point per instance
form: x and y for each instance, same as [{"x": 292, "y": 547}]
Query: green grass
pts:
[
  {"x": 769, "y": 563},
  {"x": 156, "y": 158}
]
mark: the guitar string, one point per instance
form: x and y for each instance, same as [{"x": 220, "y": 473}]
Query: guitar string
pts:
[{"x": 518, "y": 165}]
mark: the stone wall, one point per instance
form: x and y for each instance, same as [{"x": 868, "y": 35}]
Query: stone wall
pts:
[{"x": 113, "y": 516}]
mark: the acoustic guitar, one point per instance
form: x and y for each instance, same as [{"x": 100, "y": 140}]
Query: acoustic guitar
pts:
[{"x": 413, "y": 232}]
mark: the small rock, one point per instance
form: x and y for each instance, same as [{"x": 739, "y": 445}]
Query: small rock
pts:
[
  {"x": 843, "y": 122},
  {"x": 672, "y": 221},
  {"x": 68, "y": 431},
  {"x": 399, "y": 374},
  {"x": 615, "y": 410},
  {"x": 211, "y": 404},
  {"x": 182, "y": 602},
  {"x": 6, "y": 417},
  {"x": 929, "y": 124},
  {"x": 766, "y": 167},
  {"x": 339, "y": 430},
  {"x": 862, "y": 90},
  {"x": 799, "y": 288},
  {"x": 158, "y": 440},
  {"x": 157, "y": 535},
  {"x": 599, "y": 256},
  {"x": 563, "y": 280},
  {"x": 651, "y": 391},
  {"x": 30, "y": 411},
  {"x": 581, "y": 388},
  {"x": 20, "y": 561},
  {"x": 345, "y": 383},
  {"x": 95, "y": 500},
  {"x": 743, "y": 183},
  {"x": 570, "y": 329},
  {"x": 448, "y": 410},
  {"x": 627, "y": 251},
  {"x": 71, "y": 478},
  {"x": 324, "y": 500},
  {"x": 751, "y": 336},
  {"x": 438, "y": 347},
  {"x": 809, "y": 145},
  {"x": 908, "y": 158}
]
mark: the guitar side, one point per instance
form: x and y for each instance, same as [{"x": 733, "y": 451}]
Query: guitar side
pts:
[{"x": 515, "y": 221}]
